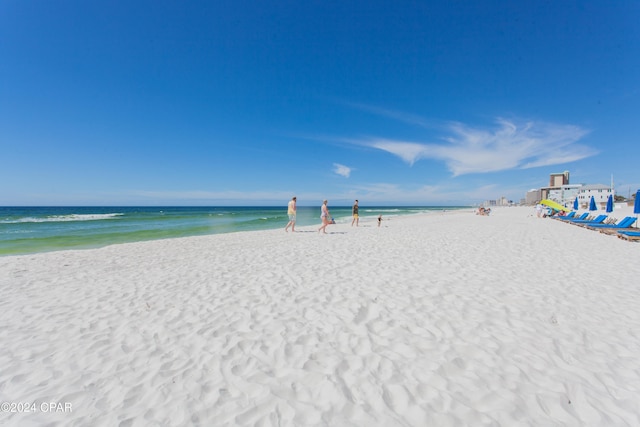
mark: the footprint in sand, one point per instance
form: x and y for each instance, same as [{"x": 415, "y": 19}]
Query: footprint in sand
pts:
[{"x": 366, "y": 313}]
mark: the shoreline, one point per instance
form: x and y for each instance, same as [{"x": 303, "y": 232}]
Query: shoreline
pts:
[
  {"x": 46, "y": 229},
  {"x": 435, "y": 319}
]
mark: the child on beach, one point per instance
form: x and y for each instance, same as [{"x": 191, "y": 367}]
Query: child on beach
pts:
[{"x": 379, "y": 220}]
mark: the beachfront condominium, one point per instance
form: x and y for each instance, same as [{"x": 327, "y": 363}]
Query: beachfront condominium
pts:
[
  {"x": 599, "y": 192},
  {"x": 560, "y": 191}
]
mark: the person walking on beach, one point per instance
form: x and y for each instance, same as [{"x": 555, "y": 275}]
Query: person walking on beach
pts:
[
  {"x": 291, "y": 211},
  {"x": 379, "y": 220},
  {"x": 325, "y": 217},
  {"x": 354, "y": 211}
]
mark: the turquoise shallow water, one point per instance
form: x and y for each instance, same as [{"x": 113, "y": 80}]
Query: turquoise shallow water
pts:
[{"x": 40, "y": 229}]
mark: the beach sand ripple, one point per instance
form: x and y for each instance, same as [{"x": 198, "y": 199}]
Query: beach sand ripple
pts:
[{"x": 430, "y": 320}]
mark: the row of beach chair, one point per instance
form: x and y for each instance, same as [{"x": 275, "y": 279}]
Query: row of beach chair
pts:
[{"x": 605, "y": 224}]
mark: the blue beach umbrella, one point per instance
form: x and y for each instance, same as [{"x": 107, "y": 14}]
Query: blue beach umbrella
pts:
[
  {"x": 575, "y": 204},
  {"x": 636, "y": 205},
  {"x": 609, "y": 204},
  {"x": 592, "y": 204}
]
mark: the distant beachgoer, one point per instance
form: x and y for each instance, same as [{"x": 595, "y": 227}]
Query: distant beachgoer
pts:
[
  {"x": 291, "y": 211},
  {"x": 354, "y": 211},
  {"x": 379, "y": 220},
  {"x": 539, "y": 210},
  {"x": 325, "y": 217},
  {"x": 483, "y": 211}
]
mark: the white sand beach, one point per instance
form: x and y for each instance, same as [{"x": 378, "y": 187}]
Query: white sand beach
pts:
[{"x": 443, "y": 319}]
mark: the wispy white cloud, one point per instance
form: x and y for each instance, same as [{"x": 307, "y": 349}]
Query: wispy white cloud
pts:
[
  {"x": 342, "y": 170},
  {"x": 508, "y": 145},
  {"x": 410, "y": 152},
  {"x": 409, "y": 118}
]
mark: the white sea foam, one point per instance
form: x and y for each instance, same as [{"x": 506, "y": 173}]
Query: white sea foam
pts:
[
  {"x": 63, "y": 218},
  {"x": 382, "y": 210}
]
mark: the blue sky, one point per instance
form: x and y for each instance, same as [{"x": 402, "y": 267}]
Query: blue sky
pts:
[{"x": 250, "y": 102}]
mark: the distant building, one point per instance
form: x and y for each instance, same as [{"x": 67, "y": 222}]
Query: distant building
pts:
[
  {"x": 561, "y": 191},
  {"x": 558, "y": 179},
  {"x": 565, "y": 194},
  {"x": 532, "y": 197},
  {"x": 503, "y": 201},
  {"x": 599, "y": 192}
]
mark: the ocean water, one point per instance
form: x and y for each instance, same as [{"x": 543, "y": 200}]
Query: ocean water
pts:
[{"x": 25, "y": 230}]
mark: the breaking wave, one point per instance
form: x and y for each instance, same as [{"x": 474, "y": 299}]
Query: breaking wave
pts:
[{"x": 64, "y": 218}]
